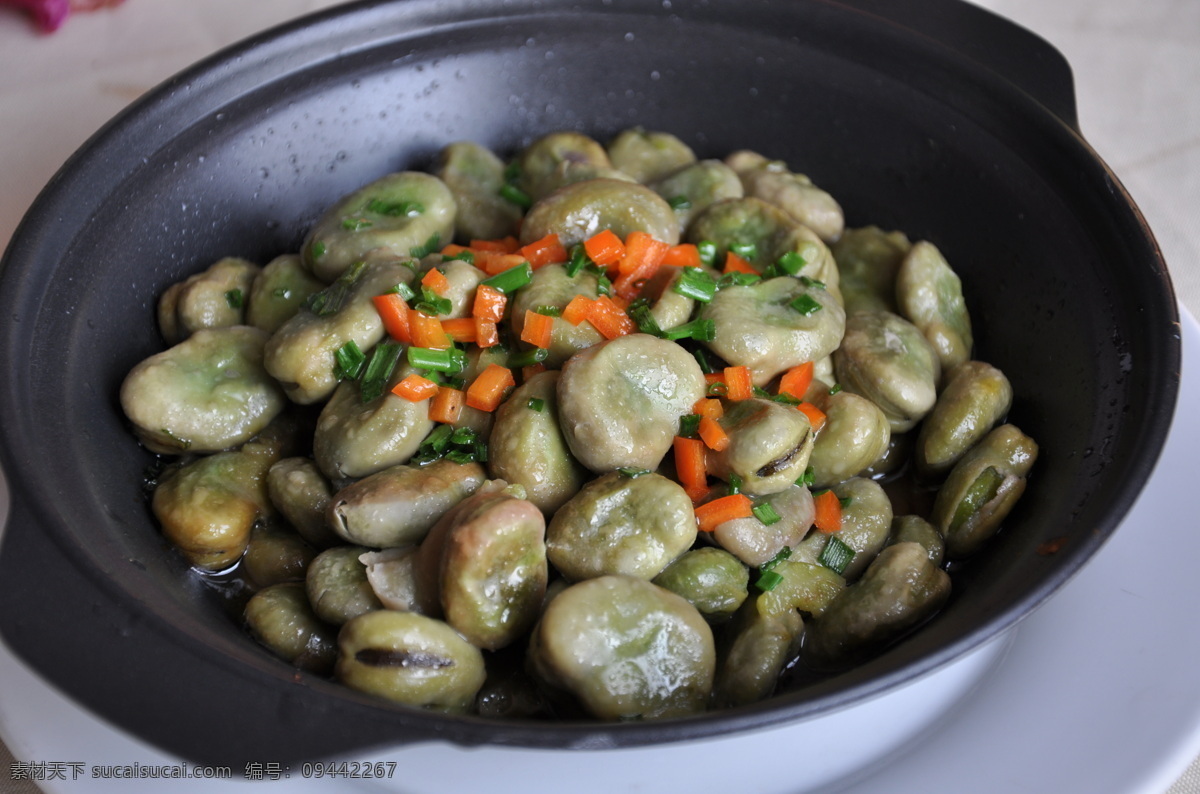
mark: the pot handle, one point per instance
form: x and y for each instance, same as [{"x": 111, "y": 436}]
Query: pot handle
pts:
[{"x": 1020, "y": 56}]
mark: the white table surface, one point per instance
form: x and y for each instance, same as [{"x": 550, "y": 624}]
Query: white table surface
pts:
[{"x": 1136, "y": 65}]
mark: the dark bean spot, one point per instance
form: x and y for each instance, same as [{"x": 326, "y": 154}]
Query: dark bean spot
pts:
[{"x": 389, "y": 657}]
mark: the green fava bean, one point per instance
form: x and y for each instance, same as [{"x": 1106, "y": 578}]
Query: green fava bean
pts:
[
  {"x": 769, "y": 446},
  {"x": 929, "y": 293},
  {"x": 976, "y": 396},
  {"x": 301, "y": 494},
  {"x": 301, "y": 355},
  {"x": 559, "y": 159},
  {"x": 914, "y": 529},
  {"x": 580, "y": 210},
  {"x": 621, "y": 524},
  {"x": 855, "y": 435},
  {"x": 866, "y": 522},
  {"x": 397, "y": 580},
  {"x": 552, "y": 288},
  {"x": 208, "y": 393},
  {"x": 337, "y": 586},
  {"x": 648, "y": 156},
  {"x": 279, "y": 291},
  {"x": 868, "y": 260},
  {"x": 762, "y": 645},
  {"x": 215, "y": 298},
  {"x": 411, "y": 659},
  {"x": 693, "y": 189},
  {"x": 280, "y": 618},
  {"x": 712, "y": 580},
  {"x": 527, "y": 446},
  {"x": 886, "y": 359},
  {"x": 625, "y": 649},
  {"x": 754, "y": 542},
  {"x": 475, "y": 177},
  {"x": 796, "y": 195},
  {"x": 399, "y": 215},
  {"x": 802, "y": 586},
  {"x": 982, "y": 488},
  {"x": 276, "y": 554},
  {"x": 900, "y": 590}
]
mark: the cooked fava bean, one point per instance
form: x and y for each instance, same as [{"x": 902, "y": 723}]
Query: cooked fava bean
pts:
[
  {"x": 982, "y": 488},
  {"x": 399, "y": 505},
  {"x": 769, "y": 446},
  {"x": 648, "y": 156},
  {"x": 489, "y": 558},
  {"x": 625, "y": 649},
  {"x": 276, "y": 554},
  {"x": 866, "y": 521},
  {"x": 855, "y": 436},
  {"x": 462, "y": 278},
  {"x": 975, "y": 398},
  {"x": 475, "y": 176},
  {"x": 693, "y": 189},
  {"x": 929, "y": 294},
  {"x": 552, "y": 288},
  {"x": 711, "y": 579},
  {"x": 396, "y": 581},
  {"x": 579, "y": 210},
  {"x": 356, "y": 438},
  {"x": 619, "y": 402},
  {"x": 669, "y": 307},
  {"x": 761, "y": 647},
  {"x": 509, "y": 693},
  {"x": 868, "y": 260},
  {"x": 754, "y": 542},
  {"x": 301, "y": 494},
  {"x": 280, "y": 618},
  {"x": 337, "y": 586},
  {"x": 885, "y": 358},
  {"x": 411, "y": 659},
  {"x": 527, "y": 447},
  {"x": 774, "y": 325},
  {"x": 279, "y": 291},
  {"x": 208, "y": 393},
  {"x": 914, "y": 529},
  {"x": 899, "y": 590},
  {"x": 621, "y": 524},
  {"x": 301, "y": 355},
  {"x": 803, "y": 586},
  {"x": 208, "y": 506},
  {"x": 396, "y": 216},
  {"x": 215, "y": 298},
  {"x": 559, "y": 159},
  {"x": 743, "y": 160},
  {"x": 796, "y": 195}
]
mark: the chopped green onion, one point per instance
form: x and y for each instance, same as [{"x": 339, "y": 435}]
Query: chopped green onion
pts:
[
  {"x": 403, "y": 290},
  {"x": 717, "y": 389},
  {"x": 511, "y": 280},
  {"x": 808, "y": 478},
  {"x": 689, "y": 425},
  {"x": 738, "y": 279},
  {"x": 812, "y": 282},
  {"x": 791, "y": 263},
  {"x": 235, "y": 299},
  {"x": 631, "y": 472},
  {"x": 578, "y": 261},
  {"x": 317, "y": 249},
  {"x": 846, "y": 501},
  {"x": 735, "y": 484},
  {"x": 768, "y": 581},
  {"x": 639, "y": 312},
  {"x": 786, "y": 399},
  {"x": 432, "y": 304},
  {"x": 329, "y": 300},
  {"x": 451, "y": 360},
  {"x": 835, "y": 388},
  {"x": 779, "y": 557},
  {"x": 535, "y": 404},
  {"x": 348, "y": 360},
  {"x": 379, "y": 370},
  {"x": 512, "y": 171},
  {"x": 603, "y": 285},
  {"x": 549, "y": 311},
  {"x": 463, "y": 435},
  {"x": 430, "y": 245},
  {"x": 702, "y": 359},
  {"x": 680, "y": 203},
  {"x": 695, "y": 283},
  {"x": 708, "y": 252},
  {"x": 836, "y": 555},
  {"x": 527, "y": 358},
  {"x": 760, "y": 392},
  {"x": 701, "y": 329},
  {"x": 466, "y": 255},
  {"x": 514, "y": 194},
  {"x": 462, "y": 445},
  {"x": 396, "y": 209},
  {"x": 356, "y": 224},
  {"x": 806, "y": 305},
  {"x": 747, "y": 251},
  {"x": 766, "y": 513}
]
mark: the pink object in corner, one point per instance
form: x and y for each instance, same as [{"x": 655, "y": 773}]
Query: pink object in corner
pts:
[{"x": 50, "y": 14}]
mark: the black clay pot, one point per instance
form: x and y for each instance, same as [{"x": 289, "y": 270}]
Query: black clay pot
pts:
[{"x": 933, "y": 117}]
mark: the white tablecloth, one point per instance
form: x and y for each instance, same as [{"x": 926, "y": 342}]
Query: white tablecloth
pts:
[{"x": 1136, "y": 64}]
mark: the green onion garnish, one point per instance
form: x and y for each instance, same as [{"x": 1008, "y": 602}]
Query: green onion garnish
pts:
[
  {"x": 708, "y": 252},
  {"x": 735, "y": 484},
  {"x": 462, "y": 445},
  {"x": 680, "y": 203},
  {"x": 432, "y": 304},
  {"x": 702, "y": 330},
  {"x": 578, "y": 261},
  {"x": 791, "y": 263},
  {"x": 512, "y": 279},
  {"x": 430, "y": 245},
  {"x": 379, "y": 369},
  {"x": 329, "y": 300},
  {"x": 779, "y": 557},
  {"x": 747, "y": 251},
  {"x": 738, "y": 279},
  {"x": 639, "y": 312},
  {"x": 451, "y": 360},
  {"x": 235, "y": 299},
  {"x": 535, "y": 404},
  {"x": 786, "y": 399},
  {"x": 396, "y": 209},
  {"x": 317, "y": 249},
  {"x": 549, "y": 311},
  {"x": 836, "y": 555},
  {"x": 835, "y": 388},
  {"x": 603, "y": 285},
  {"x": 356, "y": 224},
  {"x": 808, "y": 478},
  {"x": 348, "y": 361},
  {"x": 768, "y": 581},
  {"x": 765, "y": 513},
  {"x": 527, "y": 358},
  {"x": 812, "y": 282},
  {"x": 689, "y": 425},
  {"x": 466, "y": 255},
  {"x": 702, "y": 359},
  {"x": 631, "y": 472},
  {"x": 403, "y": 290},
  {"x": 695, "y": 283},
  {"x": 514, "y": 194},
  {"x": 806, "y": 305}
]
